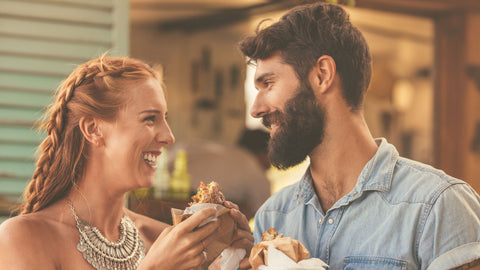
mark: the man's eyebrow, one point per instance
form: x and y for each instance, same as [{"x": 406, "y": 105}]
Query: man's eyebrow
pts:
[{"x": 260, "y": 78}]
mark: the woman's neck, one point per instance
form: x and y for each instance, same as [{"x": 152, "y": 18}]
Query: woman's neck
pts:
[{"x": 99, "y": 206}]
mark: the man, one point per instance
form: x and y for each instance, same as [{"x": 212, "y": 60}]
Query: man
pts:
[{"x": 359, "y": 205}]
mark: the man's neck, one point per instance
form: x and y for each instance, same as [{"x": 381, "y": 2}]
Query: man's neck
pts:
[{"x": 337, "y": 162}]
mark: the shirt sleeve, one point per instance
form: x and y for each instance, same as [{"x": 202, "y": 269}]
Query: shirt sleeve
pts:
[
  {"x": 451, "y": 231},
  {"x": 258, "y": 227}
]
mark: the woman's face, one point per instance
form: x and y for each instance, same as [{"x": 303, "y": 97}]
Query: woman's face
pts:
[{"x": 134, "y": 141}]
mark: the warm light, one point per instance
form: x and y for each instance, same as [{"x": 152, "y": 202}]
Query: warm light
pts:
[{"x": 403, "y": 92}]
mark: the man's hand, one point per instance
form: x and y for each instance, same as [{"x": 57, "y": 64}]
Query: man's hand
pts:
[{"x": 243, "y": 237}]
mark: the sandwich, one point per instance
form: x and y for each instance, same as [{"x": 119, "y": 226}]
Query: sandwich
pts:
[
  {"x": 270, "y": 235},
  {"x": 210, "y": 196},
  {"x": 211, "y": 193},
  {"x": 294, "y": 249}
]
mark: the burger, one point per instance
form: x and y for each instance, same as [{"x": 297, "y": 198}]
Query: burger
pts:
[
  {"x": 211, "y": 193},
  {"x": 208, "y": 196}
]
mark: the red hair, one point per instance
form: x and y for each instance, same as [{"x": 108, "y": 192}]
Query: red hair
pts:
[{"x": 95, "y": 89}]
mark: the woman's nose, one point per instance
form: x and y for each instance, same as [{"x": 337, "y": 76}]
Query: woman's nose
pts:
[{"x": 165, "y": 135}]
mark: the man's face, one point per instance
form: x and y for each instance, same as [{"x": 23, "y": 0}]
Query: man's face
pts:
[{"x": 289, "y": 108}]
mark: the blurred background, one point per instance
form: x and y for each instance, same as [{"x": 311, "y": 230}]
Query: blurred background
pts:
[{"x": 424, "y": 96}]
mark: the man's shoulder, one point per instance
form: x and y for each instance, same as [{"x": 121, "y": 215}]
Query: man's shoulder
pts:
[
  {"x": 283, "y": 200},
  {"x": 416, "y": 181}
]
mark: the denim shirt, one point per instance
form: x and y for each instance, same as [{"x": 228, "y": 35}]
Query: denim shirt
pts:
[{"x": 401, "y": 214}]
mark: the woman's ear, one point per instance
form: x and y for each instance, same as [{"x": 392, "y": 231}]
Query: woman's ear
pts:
[
  {"x": 323, "y": 74},
  {"x": 91, "y": 130}
]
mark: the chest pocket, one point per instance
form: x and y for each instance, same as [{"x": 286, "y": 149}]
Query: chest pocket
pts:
[{"x": 372, "y": 262}]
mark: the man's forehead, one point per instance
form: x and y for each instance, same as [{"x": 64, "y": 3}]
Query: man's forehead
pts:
[{"x": 271, "y": 66}]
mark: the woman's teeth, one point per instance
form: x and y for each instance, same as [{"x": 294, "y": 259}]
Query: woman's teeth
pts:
[{"x": 150, "y": 158}]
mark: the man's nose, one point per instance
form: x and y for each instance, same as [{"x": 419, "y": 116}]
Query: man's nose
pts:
[{"x": 259, "y": 107}]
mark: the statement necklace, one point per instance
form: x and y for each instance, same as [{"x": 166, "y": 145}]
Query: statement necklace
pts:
[{"x": 125, "y": 254}]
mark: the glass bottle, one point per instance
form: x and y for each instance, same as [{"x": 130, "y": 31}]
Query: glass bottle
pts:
[
  {"x": 161, "y": 182},
  {"x": 180, "y": 183}
]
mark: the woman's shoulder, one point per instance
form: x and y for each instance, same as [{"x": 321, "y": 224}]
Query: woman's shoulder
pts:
[
  {"x": 23, "y": 240},
  {"x": 22, "y": 226},
  {"x": 28, "y": 229}
]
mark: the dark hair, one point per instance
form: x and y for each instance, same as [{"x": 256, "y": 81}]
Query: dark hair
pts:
[{"x": 307, "y": 32}]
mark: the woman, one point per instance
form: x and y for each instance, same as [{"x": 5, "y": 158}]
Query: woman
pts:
[{"x": 105, "y": 131}]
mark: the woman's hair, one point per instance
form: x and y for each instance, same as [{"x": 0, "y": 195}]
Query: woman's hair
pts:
[
  {"x": 307, "y": 32},
  {"x": 94, "y": 89}
]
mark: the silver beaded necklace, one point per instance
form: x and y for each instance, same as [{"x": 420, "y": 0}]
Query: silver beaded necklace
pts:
[{"x": 124, "y": 254}]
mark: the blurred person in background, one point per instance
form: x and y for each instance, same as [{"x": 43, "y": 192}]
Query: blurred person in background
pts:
[
  {"x": 359, "y": 205},
  {"x": 256, "y": 141},
  {"x": 105, "y": 132},
  {"x": 238, "y": 169}
]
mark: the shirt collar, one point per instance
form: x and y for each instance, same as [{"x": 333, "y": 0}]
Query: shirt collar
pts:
[{"x": 376, "y": 175}]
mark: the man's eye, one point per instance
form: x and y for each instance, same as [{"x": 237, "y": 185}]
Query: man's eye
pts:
[{"x": 268, "y": 83}]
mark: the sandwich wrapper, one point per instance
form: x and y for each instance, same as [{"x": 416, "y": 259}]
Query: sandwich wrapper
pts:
[
  {"x": 283, "y": 253},
  {"x": 224, "y": 236}
]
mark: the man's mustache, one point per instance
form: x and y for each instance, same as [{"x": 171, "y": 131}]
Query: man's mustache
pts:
[{"x": 272, "y": 118}]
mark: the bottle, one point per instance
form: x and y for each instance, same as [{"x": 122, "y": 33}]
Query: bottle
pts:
[
  {"x": 180, "y": 182},
  {"x": 162, "y": 177},
  {"x": 142, "y": 193}
]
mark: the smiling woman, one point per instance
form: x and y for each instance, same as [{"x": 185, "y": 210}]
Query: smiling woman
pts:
[{"x": 105, "y": 131}]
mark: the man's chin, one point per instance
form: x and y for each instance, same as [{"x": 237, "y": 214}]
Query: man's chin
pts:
[{"x": 286, "y": 163}]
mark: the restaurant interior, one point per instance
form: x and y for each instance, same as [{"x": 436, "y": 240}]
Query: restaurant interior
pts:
[{"x": 424, "y": 96}]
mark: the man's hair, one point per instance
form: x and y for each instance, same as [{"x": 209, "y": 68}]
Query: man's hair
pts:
[{"x": 306, "y": 33}]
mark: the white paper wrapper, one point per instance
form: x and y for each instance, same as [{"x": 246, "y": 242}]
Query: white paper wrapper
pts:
[
  {"x": 199, "y": 206},
  {"x": 277, "y": 260},
  {"x": 231, "y": 258},
  {"x": 224, "y": 235}
]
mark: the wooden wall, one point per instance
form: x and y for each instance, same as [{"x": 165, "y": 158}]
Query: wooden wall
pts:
[
  {"x": 457, "y": 104},
  {"x": 41, "y": 41}
]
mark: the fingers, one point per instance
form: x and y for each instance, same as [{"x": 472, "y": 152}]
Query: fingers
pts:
[
  {"x": 240, "y": 219},
  {"x": 230, "y": 204},
  {"x": 192, "y": 222},
  {"x": 243, "y": 239},
  {"x": 245, "y": 264}
]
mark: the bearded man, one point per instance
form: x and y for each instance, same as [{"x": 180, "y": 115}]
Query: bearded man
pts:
[{"x": 359, "y": 205}]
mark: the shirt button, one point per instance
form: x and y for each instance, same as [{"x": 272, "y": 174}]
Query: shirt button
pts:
[
  {"x": 330, "y": 221},
  {"x": 320, "y": 221}
]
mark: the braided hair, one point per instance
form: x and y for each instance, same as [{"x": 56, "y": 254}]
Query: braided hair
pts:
[{"x": 94, "y": 89}]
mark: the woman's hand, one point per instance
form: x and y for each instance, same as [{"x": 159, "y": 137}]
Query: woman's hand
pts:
[
  {"x": 243, "y": 237},
  {"x": 181, "y": 247}
]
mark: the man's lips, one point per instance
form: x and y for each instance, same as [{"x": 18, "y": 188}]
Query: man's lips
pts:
[{"x": 273, "y": 129}]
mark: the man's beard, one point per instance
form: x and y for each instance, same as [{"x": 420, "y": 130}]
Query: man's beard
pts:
[{"x": 300, "y": 129}]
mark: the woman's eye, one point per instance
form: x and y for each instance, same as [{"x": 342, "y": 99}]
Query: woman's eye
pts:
[{"x": 150, "y": 119}]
